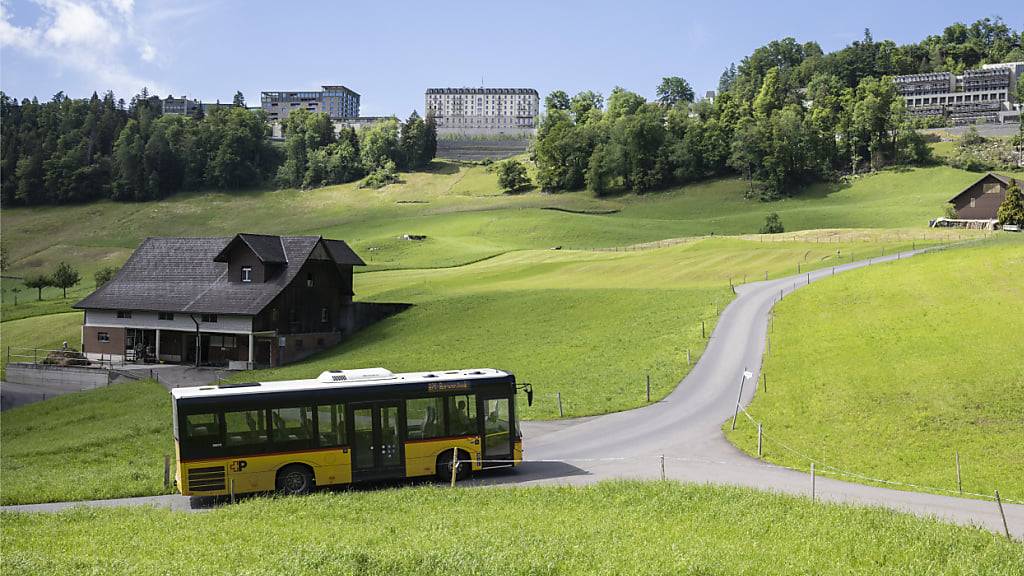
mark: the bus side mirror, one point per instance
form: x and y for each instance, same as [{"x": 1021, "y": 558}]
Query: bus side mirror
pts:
[{"x": 529, "y": 395}]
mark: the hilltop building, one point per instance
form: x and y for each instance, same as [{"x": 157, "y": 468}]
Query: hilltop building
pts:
[
  {"x": 483, "y": 111},
  {"x": 982, "y": 95},
  {"x": 245, "y": 301},
  {"x": 186, "y": 106},
  {"x": 336, "y": 101}
]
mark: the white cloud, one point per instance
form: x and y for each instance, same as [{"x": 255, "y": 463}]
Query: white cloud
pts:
[
  {"x": 94, "y": 38},
  {"x": 147, "y": 53},
  {"x": 79, "y": 24}
]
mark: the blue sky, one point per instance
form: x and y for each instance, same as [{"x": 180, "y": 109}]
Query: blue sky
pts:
[{"x": 390, "y": 52}]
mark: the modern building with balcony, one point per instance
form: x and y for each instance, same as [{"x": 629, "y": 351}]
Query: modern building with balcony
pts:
[
  {"x": 986, "y": 94},
  {"x": 337, "y": 102}
]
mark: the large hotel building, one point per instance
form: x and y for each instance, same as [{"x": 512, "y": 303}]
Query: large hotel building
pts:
[
  {"x": 484, "y": 111},
  {"x": 982, "y": 95},
  {"x": 337, "y": 101}
]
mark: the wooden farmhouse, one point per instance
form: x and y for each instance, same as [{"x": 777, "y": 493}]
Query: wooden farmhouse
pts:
[{"x": 247, "y": 301}]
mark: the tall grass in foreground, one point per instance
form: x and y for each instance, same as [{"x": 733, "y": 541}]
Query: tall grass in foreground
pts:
[{"x": 609, "y": 528}]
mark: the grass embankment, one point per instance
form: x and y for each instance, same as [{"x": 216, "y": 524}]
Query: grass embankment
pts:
[
  {"x": 462, "y": 212},
  {"x": 104, "y": 443},
  {"x": 888, "y": 371},
  {"x": 609, "y": 528},
  {"x": 44, "y": 332},
  {"x": 588, "y": 325}
]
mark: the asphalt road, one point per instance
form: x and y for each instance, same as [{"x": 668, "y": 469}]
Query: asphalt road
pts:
[{"x": 685, "y": 427}]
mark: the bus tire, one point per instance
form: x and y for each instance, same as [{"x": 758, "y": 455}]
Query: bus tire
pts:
[
  {"x": 444, "y": 466},
  {"x": 295, "y": 479}
]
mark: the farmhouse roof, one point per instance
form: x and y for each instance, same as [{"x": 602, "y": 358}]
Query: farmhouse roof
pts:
[
  {"x": 188, "y": 275},
  {"x": 1006, "y": 180}
]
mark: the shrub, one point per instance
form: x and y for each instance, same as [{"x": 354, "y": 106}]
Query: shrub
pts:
[
  {"x": 512, "y": 176},
  {"x": 772, "y": 224},
  {"x": 950, "y": 212},
  {"x": 381, "y": 177},
  {"x": 1011, "y": 211},
  {"x": 104, "y": 275}
]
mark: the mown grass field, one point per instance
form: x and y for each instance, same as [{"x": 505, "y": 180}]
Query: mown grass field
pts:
[
  {"x": 587, "y": 325},
  {"x": 889, "y": 371},
  {"x": 462, "y": 212},
  {"x": 104, "y": 443},
  {"x": 609, "y": 528}
]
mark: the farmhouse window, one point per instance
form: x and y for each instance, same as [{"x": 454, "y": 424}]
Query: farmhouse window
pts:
[
  {"x": 991, "y": 188},
  {"x": 972, "y": 202},
  {"x": 273, "y": 314},
  {"x": 103, "y": 336},
  {"x": 209, "y": 318},
  {"x": 309, "y": 280},
  {"x": 246, "y": 273},
  {"x": 124, "y": 313},
  {"x": 323, "y": 315},
  {"x": 166, "y": 316}
]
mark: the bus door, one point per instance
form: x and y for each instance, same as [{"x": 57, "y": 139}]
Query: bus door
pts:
[
  {"x": 377, "y": 443},
  {"x": 498, "y": 437}
]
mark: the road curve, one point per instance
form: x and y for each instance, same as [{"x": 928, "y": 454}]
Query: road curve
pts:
[{"x": 685, "y": 427}]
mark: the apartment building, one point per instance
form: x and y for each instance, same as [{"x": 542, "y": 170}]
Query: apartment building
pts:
[
  {"x": 336, "y": 101},
  {"x": 483, "y": 111},
  {"x": 986, "y": 94}
]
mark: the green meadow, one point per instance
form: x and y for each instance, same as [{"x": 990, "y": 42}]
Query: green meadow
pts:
[
  {"x": 608, "y": 528},
  {"x": 103, "y": 443},
  {"x": 47, "y": 332},
  {"x": 890, "y": 371}
]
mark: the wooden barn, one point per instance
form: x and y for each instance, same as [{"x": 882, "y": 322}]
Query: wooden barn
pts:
[
  {"x": 244, "y": 301},
  {"x": 980, "y": 201}
]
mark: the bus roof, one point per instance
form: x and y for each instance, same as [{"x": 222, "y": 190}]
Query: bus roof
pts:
[{"x": 335, "y": 380}]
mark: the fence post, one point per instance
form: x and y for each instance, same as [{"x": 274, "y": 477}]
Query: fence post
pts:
[
  {"x": 702, "y": 334},
  {"x": 559, "y": 396},
  {"x": 455, "y": 464},
  {"x": 812, "y": 482},
  {"x": 663, "y": 467},
  {"x": 687, "y": 356},
  {"x": 167, "y": 471},
  {"x": 1006, "y": 528},
  {"x": 765, "y": 275},
  {"x": 758, "y": 439},
  {"x": 648, "y": 387},
  {"x": 959, "y": 485},
  {"x": 764, "y": 380}
]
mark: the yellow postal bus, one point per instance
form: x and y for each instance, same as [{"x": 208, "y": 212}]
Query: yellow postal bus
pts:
[{"x": 344, "y": 426}]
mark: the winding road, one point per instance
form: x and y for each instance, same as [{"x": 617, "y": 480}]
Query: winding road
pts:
[{"x": 685, "y": 427}]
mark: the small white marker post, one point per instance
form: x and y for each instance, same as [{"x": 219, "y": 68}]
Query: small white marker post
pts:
[
  {"x": 759, "y": 440},
  {"x": 559, "y": 396},
  {"x": 959, "y": 485},
  {"x": 455, "y": 464},
  {"x": 167, "y": 471},
  {"x": 736, "y": 413},
  {"x": 812, "y": 482}
]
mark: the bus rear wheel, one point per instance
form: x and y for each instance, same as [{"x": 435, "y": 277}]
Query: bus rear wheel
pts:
[
  {"x": 444, "y": 466},
  {"x": 295, "y": 479}
]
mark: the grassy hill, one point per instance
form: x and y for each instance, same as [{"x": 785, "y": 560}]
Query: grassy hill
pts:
[
  {"x": 461, "y": 211},
  {"x": 888, "y": 372},
  {"x": 609, "y": 528},
  {"x": 588, "y": 325}
]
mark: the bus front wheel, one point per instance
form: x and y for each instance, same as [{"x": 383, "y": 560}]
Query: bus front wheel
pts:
[
  {"x": 444, "y": 466},
  {"x": 295, "y": 479}
]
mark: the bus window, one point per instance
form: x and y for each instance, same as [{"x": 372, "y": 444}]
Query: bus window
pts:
[
  {"x": 496, "y": 428},
  {"x": 424, "y": 418},
  {"x": 202, "y": 431},
  {"x": 245, "y": 428},
  {"x": 331, "y": 424},
  {"x": 462, "y": 412},
  {"x": 292, "y": 424}
]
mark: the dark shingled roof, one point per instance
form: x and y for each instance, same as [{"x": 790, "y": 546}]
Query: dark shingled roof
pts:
[
  {"x": 184, "y": 275},
  {"x": 269, "y": 249},
  {"x": 1007, "y": 181}
]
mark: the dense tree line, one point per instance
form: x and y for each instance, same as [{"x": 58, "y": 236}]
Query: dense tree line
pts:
[
  {"x": 317, "y": 155},
  {"x": 69, "y": 150},
  {"x": 787, "y": 116}
]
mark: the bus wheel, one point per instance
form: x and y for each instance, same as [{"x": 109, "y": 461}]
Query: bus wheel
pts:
[
  {"x": 444, "y": 466},
  {"x": 294, "y": 479}
]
